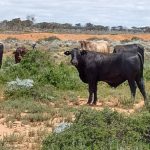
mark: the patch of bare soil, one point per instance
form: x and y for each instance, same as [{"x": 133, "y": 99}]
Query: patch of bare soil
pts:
[
  {"x": 25, "y": 136},
  {"x": 112, "y": 104}
]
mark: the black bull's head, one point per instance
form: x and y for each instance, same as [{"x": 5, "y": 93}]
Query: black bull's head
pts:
[{"x": 75, "y": 55}]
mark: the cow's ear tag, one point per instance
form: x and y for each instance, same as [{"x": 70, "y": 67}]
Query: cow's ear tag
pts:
[{"x": 67, "y": 53}]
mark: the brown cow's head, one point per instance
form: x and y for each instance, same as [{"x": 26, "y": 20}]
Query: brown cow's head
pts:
[{"x": 19, "y": 53}]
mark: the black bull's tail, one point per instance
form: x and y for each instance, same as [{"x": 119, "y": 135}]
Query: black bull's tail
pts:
[
  {"x": 141, "y": 64},
  {"x": 141, "y": 48}
]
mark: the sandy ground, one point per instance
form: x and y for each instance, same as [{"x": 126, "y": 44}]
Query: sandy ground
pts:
[
  {"x": 76, "y": 37},
  {"x": 28, "y": 133},
  {"x": 17, "y": 126},
  {"x": 112, "y": 104}
]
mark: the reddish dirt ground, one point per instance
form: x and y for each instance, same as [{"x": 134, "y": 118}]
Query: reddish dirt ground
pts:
[{"x": 76, "y": 37}]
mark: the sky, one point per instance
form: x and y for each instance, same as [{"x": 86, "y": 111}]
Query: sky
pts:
[{"x": 127, "y": 13}]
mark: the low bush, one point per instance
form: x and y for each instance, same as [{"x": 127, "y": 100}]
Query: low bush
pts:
[
  {"x": 147, "y": 70},
  {"x": 147, "y": 74},
  {"x": 38, "y": 66},
  {"x": 50, "y": 39},
  {"x": 93, "y": 130}
]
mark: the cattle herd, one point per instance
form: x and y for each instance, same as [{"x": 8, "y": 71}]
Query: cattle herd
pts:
[{"x": 94, "y": 63}]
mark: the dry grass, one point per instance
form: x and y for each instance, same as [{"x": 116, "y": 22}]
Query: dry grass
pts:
[{"x": 76, "y": 37}]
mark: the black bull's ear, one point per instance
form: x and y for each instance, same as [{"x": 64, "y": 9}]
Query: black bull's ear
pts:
[
  {"x": 67, "y": 53},
  {"x": 83, "y": 52}
]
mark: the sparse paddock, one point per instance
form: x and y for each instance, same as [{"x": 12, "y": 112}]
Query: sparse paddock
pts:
[
  {"x": 37, "y": 36},
  {"x": 28, "y": 116}
]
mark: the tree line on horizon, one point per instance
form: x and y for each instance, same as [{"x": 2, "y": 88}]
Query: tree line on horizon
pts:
[{"x": 29, "y": 24}]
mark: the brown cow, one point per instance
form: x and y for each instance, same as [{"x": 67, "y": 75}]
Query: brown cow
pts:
[
  {"x": 98, "y": 46},
  {"x": 19, "y": 53}
]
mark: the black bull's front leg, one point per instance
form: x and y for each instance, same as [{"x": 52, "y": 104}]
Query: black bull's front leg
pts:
[{"x": 92, "y": 92}]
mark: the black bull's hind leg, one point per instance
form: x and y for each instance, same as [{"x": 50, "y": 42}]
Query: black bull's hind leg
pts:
[
  {"x": 141, "y": 86},
  {"x": 133, "y": 87}
]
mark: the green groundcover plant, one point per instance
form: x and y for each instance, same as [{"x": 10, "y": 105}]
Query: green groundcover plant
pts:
[{"x": 105, "y": 130}]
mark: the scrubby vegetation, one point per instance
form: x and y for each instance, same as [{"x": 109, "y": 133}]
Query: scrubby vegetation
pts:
[
  {"x": 106, "y": 130},
  {"x": 50, "y": 39},
  {"x": 55, "y": 86},
  {"x": 40, "y": 67},
  {"x": 29, "y": 25}
]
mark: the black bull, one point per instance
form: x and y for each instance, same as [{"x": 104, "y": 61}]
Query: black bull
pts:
[{"x": 113, "y": 69}]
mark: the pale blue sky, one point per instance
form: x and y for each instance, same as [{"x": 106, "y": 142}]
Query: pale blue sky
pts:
[{"x": 103, "y": 12}]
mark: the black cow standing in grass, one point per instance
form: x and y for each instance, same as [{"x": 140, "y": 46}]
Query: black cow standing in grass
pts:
[
  {"x": 1, "y": 53},
  {"x": 135, "y": 48},
  {"x": 113, "y": 69}
]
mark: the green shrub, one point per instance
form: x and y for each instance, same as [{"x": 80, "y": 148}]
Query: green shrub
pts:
[
  {"x": 9, "y": 61},
  {"x": 93, "y": 130},
  {"x": 39, "y": 67},
  {"x": 147, "y": 74},
  {"x": 22, "y": 105},
  {"x": 147, "y": 70},
  {"x": 44, "y": 71},
  {"x": 61, "y": 76}
]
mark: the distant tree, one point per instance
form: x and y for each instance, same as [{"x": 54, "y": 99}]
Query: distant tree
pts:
[
  {"x": 89, "y": 26},
  {"x": 31, "y": 18},
  {"x": 78, "y": 25},
  {"x": 101, "y": 28},
  {"x": 67, "y": 26},
  {"x": 15, "y": 24}
]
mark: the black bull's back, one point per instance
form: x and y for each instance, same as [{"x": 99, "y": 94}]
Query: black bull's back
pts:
[
  {"x": 135, "y": 48},
  {"x": 113, "y": 68}
]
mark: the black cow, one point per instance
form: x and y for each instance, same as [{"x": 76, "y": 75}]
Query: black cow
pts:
[
  {"x": 113, "y": 69},
  {"x": 1, "y": 53},
  {"x": 135, "y": 48}
]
